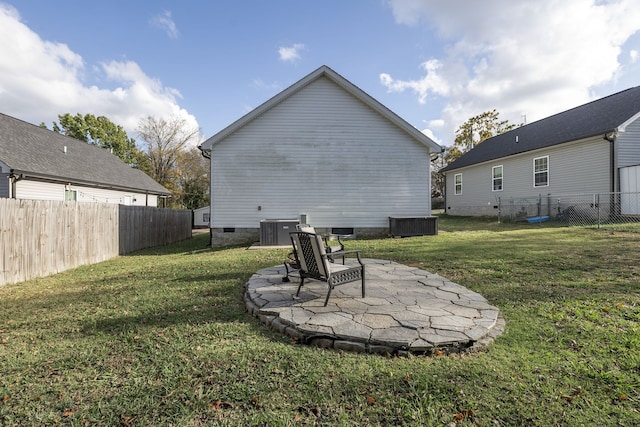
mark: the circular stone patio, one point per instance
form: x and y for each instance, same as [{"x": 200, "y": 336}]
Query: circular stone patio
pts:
[{"x": 406, "y": 310}]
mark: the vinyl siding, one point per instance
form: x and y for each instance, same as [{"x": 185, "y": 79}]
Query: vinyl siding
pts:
[
  {"x": 199, "y": 216},
  {"x": 320, "y": 152},
  {"x": 629, "y": 145},
  {"x": 40, "y": 190},
  {"x": 577, "y": 167},
  {"x": 4, "y": 185}
]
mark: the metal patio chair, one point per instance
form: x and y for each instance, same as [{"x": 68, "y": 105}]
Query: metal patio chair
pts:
[
  {"x": 314, "y": 263},
  {"x": 292, "y": 264}
]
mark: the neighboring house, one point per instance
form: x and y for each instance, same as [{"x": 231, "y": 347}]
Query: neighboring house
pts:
[
  {"x": 321, "y": 150},
  {"x": 593, "y": 148},
  {"x": 201, "y": 217},
  {"x": 36, "y": 163}
]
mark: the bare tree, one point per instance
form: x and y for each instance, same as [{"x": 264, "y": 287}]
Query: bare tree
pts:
[{"x": 164, "y": 140}]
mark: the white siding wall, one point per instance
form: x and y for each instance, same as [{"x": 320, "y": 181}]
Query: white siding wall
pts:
[
  {"x": 630, "y": 187},
  {"x": 199, "y": 216},
  {"x": 37, "y": 190},
  {"x": 320, "y": 152},
  {"x": 628, "y": 150},
  {"x": 578, "y": 167}
]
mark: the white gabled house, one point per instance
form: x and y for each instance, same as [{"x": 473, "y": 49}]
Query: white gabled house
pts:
[
  {"x": 323, "y": 150},
  {"x": 201, "y": 217},
  {"x": 39, "y": 164},
  {"x": 593, "y": 148}
]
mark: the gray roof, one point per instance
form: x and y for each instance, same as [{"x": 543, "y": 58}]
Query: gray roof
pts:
[
  {"x": 598, "y": 117},
  {"x": 323, "y": 71},
  {"x": 40, "y": 153}
]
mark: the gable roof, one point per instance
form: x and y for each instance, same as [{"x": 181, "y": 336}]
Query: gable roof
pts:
[
  {"x": 609, "y": 114},
  {"x": 36, "y": 152},
  {"x": 327, "y": 72}
]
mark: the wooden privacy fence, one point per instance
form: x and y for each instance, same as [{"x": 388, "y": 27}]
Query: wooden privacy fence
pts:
[{"x": 39, "y": 237}]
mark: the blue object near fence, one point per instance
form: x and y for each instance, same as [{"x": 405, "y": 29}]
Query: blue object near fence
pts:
[{"x": 537, "y": 219}]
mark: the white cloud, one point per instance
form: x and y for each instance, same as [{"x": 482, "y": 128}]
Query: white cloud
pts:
[
  {"x": 431, "y": 82},
  {"x": 431, "y": 135},
  {"x": 633, "y": 56},
  {"x": 164, "y": 21},
  {"x": 291, "y": 53},
  {"x": 41, "y": 79},
  {"x": 537, "y": 58}
]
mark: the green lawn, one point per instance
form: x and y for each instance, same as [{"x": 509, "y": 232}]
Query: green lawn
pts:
[{"x": 160, "y": 337}]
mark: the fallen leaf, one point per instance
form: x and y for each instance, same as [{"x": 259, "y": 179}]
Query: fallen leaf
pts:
[
  {"x": 463, "y": 415},
  {"x": 406, "y": 378},
  {"x": 438, "y": 352},
  {"x": 219, "y": 404},
  {"x": 67, "y": 413},
  {"x": 623, "y": 397},
  {"x": 567, "y": 398},
  {"x": 126, "y": 421},
  {"x": 371, "y": 401},
  {"x": 6, "y": 397}
]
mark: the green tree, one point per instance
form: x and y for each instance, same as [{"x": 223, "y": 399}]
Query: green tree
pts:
[
  {"x": 476, "y": 130},
  {"x": 192, "y": 179},
  {"x": 102, "y": 132}
]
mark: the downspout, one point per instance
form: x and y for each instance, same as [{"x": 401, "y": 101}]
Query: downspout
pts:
[
  {"x": 613, "y": 200},
  {"x": 611, "y": 138},
  {"x": 13, "y": 179}
]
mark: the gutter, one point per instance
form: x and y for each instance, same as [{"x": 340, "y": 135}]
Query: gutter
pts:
[
  {"x": 13, "y": 179},
  {"x": 205, "y": 153}
]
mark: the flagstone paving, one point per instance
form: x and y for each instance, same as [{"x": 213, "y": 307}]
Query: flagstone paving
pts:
[{"x": 406, "y": 310}]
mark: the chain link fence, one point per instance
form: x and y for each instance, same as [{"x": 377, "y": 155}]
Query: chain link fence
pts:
[{"x": 619, "y": 211}]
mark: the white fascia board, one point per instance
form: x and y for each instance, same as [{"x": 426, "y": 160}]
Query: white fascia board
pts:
[{"x": 633, "y": 118}]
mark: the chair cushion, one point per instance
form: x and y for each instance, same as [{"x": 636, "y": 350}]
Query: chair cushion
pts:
[{"x": 334, "y": 268}]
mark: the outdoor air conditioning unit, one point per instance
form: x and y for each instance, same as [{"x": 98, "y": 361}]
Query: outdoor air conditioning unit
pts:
[
  {"x": 275, "y": 232},
  {"x": 407, "y": 226}
]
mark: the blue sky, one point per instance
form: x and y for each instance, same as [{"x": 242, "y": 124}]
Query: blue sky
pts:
[{"x": 433, "y": 62}]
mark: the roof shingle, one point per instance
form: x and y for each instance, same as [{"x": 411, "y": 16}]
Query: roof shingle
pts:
[
  {"x": 34, "y": 151},
  {"x": 594, "y": 118}
]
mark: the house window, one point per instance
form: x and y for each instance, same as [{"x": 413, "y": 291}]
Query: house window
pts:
[
  {"x": 496, "y": 174},
  {"x": 205, "y": 217},
  {"x": 457, "y": 180},
  {"x": 541, "y": 171},
  {"x": 70, "y": 195}
]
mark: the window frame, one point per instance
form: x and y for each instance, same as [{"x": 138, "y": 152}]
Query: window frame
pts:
[
  {"x": 494, "y": 178},
  {"x": 457, "y": 191},
  {"x": 70, "y": 195},
  {"x": 540, "y": 172}
]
